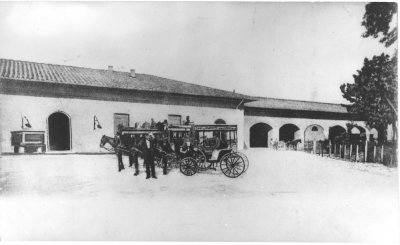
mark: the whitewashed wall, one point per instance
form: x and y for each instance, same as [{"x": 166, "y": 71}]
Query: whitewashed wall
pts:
[{"x": 81, "y": 112}]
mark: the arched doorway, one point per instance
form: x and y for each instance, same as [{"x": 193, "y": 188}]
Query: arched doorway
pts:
[
  {"x": 357, "y": 133},
  {"x": 314, "y": 133},
  {"x": 336, "y": 132},
  {"x": 59, "y": 132},
  {"x": 288, "y": 132},
  {"x": 259, "y": 135}
]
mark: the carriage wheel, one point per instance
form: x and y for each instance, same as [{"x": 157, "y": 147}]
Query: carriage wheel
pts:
[
  {"x": 188, "y": 166},
  {"x": 201, "y": 159},
  {"x": 232, "y": 165},
  {"x": 246, "y": 160}
]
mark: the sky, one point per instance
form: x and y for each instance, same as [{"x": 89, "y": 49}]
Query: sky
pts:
[{"x": 301, "y": 51}]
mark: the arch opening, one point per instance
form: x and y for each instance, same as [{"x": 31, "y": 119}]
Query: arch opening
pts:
[
  {"x": 59, "y": 132},
  {"x": 357, "y": 133},
  {"x": 336, "y": 132},
  {"x": 289, "y": 132},
  {"x": 373, "y": 134},
  {"x": 314, "y": 133},
  {"x": 260, "y": 134}
]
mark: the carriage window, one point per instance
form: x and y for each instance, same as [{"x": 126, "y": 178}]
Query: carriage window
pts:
[
  {"x": 174, "y": 119},
  {"x": 208, "y": 134}
]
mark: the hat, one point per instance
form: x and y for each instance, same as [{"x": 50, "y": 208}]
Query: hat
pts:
[{"x": 150, "y": 134}]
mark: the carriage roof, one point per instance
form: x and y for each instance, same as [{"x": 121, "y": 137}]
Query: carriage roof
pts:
[
  {"x": 129, "y": 130},
  {"x": 215, "y": 127},
  {"x": 180, "y": 128}
]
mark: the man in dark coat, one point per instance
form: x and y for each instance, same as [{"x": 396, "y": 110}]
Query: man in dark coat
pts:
[
  {"x": 133, "y": 157},
  {"x": 119, "y": 146},
  {"x": 148, "y": 151}
]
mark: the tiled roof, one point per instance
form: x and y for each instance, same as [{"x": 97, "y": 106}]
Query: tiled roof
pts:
[
  {"x": 272, "y": 103},
  {"x": 61, "y": 74}
]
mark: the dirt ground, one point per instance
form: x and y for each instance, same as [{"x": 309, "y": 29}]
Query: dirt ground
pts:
[{"x": 284, "y": 196}]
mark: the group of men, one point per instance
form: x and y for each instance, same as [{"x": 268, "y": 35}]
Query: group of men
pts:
[{"x": 147, "y": 148}]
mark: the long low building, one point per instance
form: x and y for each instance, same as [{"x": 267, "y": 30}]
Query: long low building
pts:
[
  {"x": 268, "y": 119},
  {"x": 67, "y": 103}
]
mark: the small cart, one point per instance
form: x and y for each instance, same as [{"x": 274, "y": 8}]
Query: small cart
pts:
[{"x": 25, "y": 141}]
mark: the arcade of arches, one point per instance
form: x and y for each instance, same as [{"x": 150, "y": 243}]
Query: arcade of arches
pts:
[{"x": 261, "y": 134}]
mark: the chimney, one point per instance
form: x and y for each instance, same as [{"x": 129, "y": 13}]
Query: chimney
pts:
[
  {"x": 133, "y": 74},
  {"x": 110, "y": 68}
]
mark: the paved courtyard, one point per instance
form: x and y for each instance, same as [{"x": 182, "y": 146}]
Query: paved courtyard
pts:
[{"x": 284, "y": 196}]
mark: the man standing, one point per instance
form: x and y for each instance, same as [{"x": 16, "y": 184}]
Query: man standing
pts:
[
  {"x": 148, "y": 150},
  {"x": 133, "y": 157},
  {"x": 119, "y": 146}
]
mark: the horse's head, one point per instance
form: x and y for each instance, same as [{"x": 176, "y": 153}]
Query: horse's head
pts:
[{"x": 103, "y": 141}]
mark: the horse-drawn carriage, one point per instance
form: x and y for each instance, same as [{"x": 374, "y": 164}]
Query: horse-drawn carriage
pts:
[{"x": 194, "y": 148}]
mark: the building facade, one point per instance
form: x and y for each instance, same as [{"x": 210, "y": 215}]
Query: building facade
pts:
[{"x": 68, "y": 103}]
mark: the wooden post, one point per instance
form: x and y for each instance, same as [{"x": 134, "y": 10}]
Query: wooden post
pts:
[
  {"x": 357, "y": 153},
  {"x": 382, "y": 154},
  {"x": 351, "y": 148},
  {"x": 334, "y": 149},
  {"x": 315, "y": 147},
  {"x": 340, "y": 150},
  {"x": 320, "y": 149},
  {"x": 344, "y": 153},
  {"x": 330, "y": 148},
  {"x": 374, "y": 160},
  {"x": 366, "y": 151}
]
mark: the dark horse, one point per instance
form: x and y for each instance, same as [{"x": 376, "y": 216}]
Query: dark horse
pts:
[
  {"x": 293, "y": 144},
  {"x": 128, "y": 149},
  {"x": 131, "y": 150}
]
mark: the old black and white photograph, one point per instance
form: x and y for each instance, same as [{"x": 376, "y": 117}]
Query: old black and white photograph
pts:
[{"x": 199, "y": 121}]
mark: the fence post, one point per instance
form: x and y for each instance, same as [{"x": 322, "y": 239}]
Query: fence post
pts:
[
  {"x": 340, "y": 152},
  {"x": 374, "y": 160},
  {"x": 382, "y": 154},
  {"x": 334, "y": 149},
  {"x": 330, "y": 148},
  {"x": 351, "y": 148},
  {"x": 314, "y": 148},
  {"x": 366, "y": 151},
  {"x": 321, "y": 149},
  {"x": 357, "y": 158},
  {"x": 344, "y": 152}
]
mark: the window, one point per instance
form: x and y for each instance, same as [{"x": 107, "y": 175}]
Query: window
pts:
[
  {"x": 120, "y": 118},
  {"x": 174, "y": 119},
  {"x": 315, "y": 128},
  {"x": 219, "y": 121}
]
